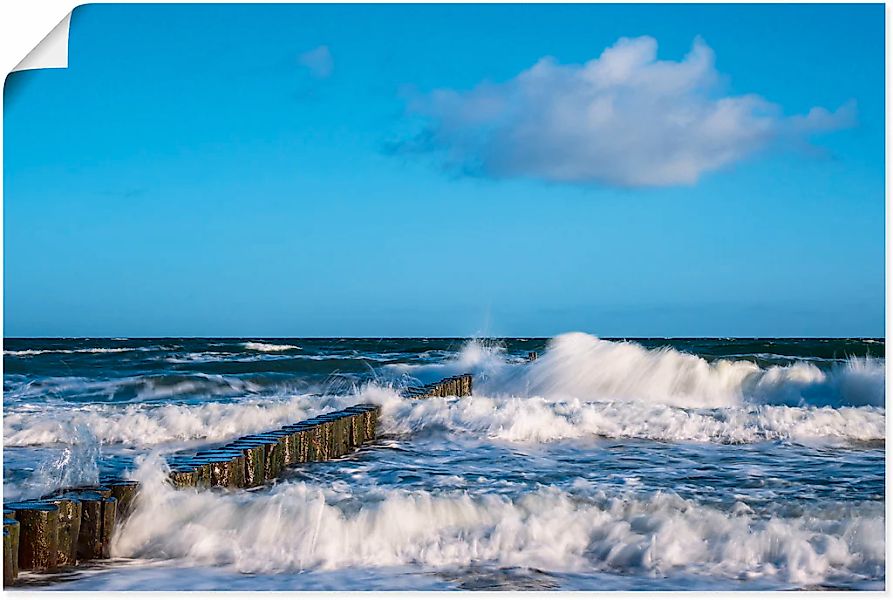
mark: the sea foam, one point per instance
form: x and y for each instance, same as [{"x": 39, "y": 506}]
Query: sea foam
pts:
[{"x": 299, "y": 526}]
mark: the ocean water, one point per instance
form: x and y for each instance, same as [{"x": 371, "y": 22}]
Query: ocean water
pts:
[{"x": 732, "y": 464}]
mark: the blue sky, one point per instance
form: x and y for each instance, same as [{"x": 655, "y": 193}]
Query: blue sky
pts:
[{"x": 356, "y": 170}]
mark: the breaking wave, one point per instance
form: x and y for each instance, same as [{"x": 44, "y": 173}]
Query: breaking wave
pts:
[
  {"x": 584, "y": 367},
  {"x": 300, "y": 526},
  {"x": 141, "y": 425},
  {"x": 537, "y": 419},
  {"x": 262, "y": 347},
  {"x": 507, "y": 418},
  {"x": 580, "y": 387}
]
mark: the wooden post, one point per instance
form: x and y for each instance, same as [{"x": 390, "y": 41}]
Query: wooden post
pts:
[
  {"x": 319, "y": 449},
  {"x": 8, "y": 577},
  {"x": 89, "y": 543},
  {"x": 274, "y": 451},
  {"x": 338, "y": 439},
  {"x": 253, "y": 455},
  {"x": 38, "y": 535},
  {"x": 183, "y": 475},
  {"x": 70, "y": 512},
  {"x": 289, "y": 445},
  {"x": 301, "y": 440},
  {"x": 227, "y": 468},
  {"x": 109, "y": 512},
  {"x": 125, "y": 491},
  {"x": 355, "y": 418},
  {"x": 12, "y": 528}
]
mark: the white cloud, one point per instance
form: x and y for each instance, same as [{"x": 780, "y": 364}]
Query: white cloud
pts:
[
  {"x": 624, "y": 119},
  {"x": 319, "y": 61}
]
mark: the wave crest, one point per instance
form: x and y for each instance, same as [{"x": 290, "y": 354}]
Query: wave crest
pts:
[
  {"x": 538, "y": 419},
  {"x": 584, "y": 367}
]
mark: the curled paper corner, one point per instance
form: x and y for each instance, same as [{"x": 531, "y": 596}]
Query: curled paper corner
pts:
[{"x": 51, "y": 52}]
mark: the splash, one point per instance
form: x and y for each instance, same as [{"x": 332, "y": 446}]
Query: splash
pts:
[{"x": 75, "y": 464}]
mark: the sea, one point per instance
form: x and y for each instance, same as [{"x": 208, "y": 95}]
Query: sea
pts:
[{"x": 603, "y": 464}]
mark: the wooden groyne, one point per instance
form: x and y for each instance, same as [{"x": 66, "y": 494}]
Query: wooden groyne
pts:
[
  {"x": 253, "y": 460},
  {"x": 63, "y": 528},
  {"x": 457, "y": 385},
  {"x": 73, "y": 525}
]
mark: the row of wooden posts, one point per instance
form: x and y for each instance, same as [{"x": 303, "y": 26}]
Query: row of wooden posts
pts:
[
  {"x": 63, "y": 528},
  {"x": 72, "y": 525},
  {"x": 457, "y": 385},
  {"x": 76, "y": 524},
  {"x": 252, "y": 460}
]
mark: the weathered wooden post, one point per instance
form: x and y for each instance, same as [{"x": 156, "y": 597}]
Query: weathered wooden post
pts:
[
  {"x": 38, "y": 535},
  {"x": 300, "y": 440},
  {"x": 274, "y": 453},
  {"x": 328, "y": 427},
  {"x": 8, "y": 577},
  {"x": 227, "y": 467},
  {"x": 125, "y": 490},
  {"x": 11, "y": 528},
  {"x": 338, "y": 439},
  {"x": 371, "y": 415},
  {"x": 109, "y": 512},
  {"x": 354, "y": 428},
  {"x": 202, "y": 470},
  {"x": 183, "y": 475},
  {"x": 289, "y": 445},
  {"x": 318, "y": 445},
  {"x": 89, "y": 543},
  {"x": 253, "y": 455},
  {"x": 70, "y": 511}
]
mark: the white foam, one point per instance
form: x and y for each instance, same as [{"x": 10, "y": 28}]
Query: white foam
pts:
[
  {"x": 299, "y": 526},
  {"x": 537, "y": 419},
  {"x": 262, "y": 347},
  {"x": 144, "y": 425},
  {"x": 582, "y": 366},
  {"x": 72, "y": 351}
]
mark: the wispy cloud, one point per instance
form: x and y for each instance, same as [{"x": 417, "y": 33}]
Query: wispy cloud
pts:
[
  {"x": 318, "y": 61},
  {"x": 623, "y": 119}
]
